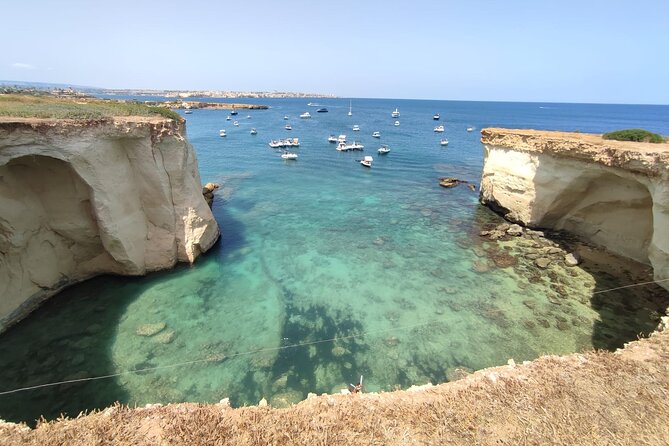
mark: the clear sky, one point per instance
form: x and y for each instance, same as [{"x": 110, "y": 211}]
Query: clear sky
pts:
[{"x": 565, "y": 51}]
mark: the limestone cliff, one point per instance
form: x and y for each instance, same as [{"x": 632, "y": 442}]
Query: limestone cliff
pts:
[
  {"x": 613, "y": 193},
  {"x": 82, "y": 198}
]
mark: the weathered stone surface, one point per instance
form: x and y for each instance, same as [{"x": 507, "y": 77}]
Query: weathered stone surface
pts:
[
  {"x": 83, "y": 198},
  {"x": 542, "y": 262},
  {"x": 612, "y": 193},
  {"x": 572, "y": 259}
]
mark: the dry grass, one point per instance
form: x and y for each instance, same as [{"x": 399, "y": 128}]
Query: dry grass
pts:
[
  {"x": 24, "y": 106},
  {"x": 598, "y": 398}
]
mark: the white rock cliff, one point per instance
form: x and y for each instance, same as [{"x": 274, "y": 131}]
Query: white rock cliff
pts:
[
  {"x": 613, "y": 193},
  {"x": 78, "y": 199}
]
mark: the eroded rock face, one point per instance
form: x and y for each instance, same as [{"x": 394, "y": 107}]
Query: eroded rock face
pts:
[
  {"x": 78, "y": 199},
  {"x": 615, "y": 194}
]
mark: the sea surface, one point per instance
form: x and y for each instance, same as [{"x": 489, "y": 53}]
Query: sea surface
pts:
[{"x": 327, "y": 270}]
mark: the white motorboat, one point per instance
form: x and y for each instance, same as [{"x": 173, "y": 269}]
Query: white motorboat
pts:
[
  {"x": 285, "y": 118},
  {"x": 305, "y": 115},
  {"x": 341, "y": 138},
  {"x": 283, "y": 143},
  {"x": 254, "y": 131},
  {"x": 443, "y": 142},
  {"x": 332, "y": 138},
  {"x": 343, "y": 147},
  {"x": 470, "y": 129},
  {"x": 356, "y": 128},
  {"x": 396, "y": 113},
  {"x": 228, "y": 118},
  {"x": 397, "y": 123},
  {"x": 236, "y": 124},
  {"x": 188, "y": 111},
  {"x": 222, "y": 133},
  {"x": 350, "y": 108},
  {"x": 376, "y": 135},
  {"x": 367, "y": 161},
  {"x": 439, "y": 129},
  {"x": 383, "y": 149},
  {"x": 288, "y": 127},
  {"x": 436, "y": 116},
  {"x": 289, "y": 155}
]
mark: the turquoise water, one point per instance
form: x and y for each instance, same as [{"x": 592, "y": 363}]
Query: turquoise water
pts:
[{"x": 381, "y": 260}]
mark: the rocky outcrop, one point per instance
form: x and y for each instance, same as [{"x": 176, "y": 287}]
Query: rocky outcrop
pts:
[
  {"x": 612, "y": 193},
  {"x": 82, "y": 198}
]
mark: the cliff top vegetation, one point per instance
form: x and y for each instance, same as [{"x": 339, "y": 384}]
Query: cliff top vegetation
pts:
[
  {"x": 44, "y": 106},
  {"x": 639, "y": 135}
]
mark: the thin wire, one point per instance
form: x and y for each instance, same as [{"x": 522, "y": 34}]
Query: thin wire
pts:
[
  {"x": 263, "y": 350},
  {"x": 630, "y": 286},
  {"x": 197, "y": 361}
]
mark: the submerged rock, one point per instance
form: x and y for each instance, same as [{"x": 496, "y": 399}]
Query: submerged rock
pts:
[
  {"x": 150, "y": 329},
  {"x": 165, "y": 337},
  {"x": 542, "y": 262}
]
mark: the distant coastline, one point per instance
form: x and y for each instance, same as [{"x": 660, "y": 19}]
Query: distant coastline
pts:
[{"x": 218, "y": 94}]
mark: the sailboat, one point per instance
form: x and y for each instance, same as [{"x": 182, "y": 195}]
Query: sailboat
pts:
[{"x": 350, "y": 106}]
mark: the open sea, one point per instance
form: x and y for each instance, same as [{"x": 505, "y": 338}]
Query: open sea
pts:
[{"x": 327, "y": 270}]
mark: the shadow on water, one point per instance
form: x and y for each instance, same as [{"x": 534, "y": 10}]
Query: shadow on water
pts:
[{"x": 71, "y": 336}]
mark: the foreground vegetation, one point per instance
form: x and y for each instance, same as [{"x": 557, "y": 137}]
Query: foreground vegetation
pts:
[
  {"x": 44, "y": 106},
  {"x": 639, "y": 135}
]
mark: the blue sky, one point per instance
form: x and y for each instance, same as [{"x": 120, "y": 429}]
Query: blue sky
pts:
[{"x": 563, "y": 51}]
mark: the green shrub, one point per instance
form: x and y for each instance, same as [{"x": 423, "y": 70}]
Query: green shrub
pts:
[{"x": 639, "y": 135}]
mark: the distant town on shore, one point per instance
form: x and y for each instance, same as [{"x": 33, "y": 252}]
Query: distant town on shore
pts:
[{"x": 76, "y": 90}]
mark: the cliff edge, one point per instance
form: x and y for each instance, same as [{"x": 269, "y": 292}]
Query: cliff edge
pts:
[
  {"x": 80, "y": 198},
  {"x": 612, "y": 193}
]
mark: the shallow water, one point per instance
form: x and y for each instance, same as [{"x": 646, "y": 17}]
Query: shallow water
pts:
[{"x": 381, "y": 260}]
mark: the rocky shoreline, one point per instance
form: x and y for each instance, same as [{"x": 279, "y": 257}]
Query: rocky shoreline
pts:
[{"x": 198, "y": 105}]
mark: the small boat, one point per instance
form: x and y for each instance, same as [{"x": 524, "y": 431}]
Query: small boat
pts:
[
  {"x": 188, "y": 111},
  {"x": 397, "y": 123},
  {"x": 350, "y": 108},
  {"x": 222, "y": 133},
  {"x": 341, "y": 138},
  {"x": 439, "y": 129},
  {"x": 312, "y": 104},
  {"x": 305, "y": 115},
  {"x": 470, "y": 129},
  {"x": 396, "y": 113},
  {"x": 332, "y": 138},
  {"x": 383, "y": 150},
  {"x": 367, "y": 161},
  {"x": 435, "y": 116},
  {"x": 254, "y": 131},
  {"x": 376, "y": 135},
  {"x": 233, "y": 112},
  {"x": 283, "y": 143},
  {"x": 343, "y": 147},
  {"x": 443, "y": 142},
  {"x": 356, "y": 128},
  {"x": 288, "y": 127},
  {"x": 288, "y": 155},
  {"x": 228, "y": 118},
  {"x": 248, "y": 116},
  {"x": 322, "y": 110},
  {"x": 285, "y": 118},
  {"x": 236, "y": 124}
]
